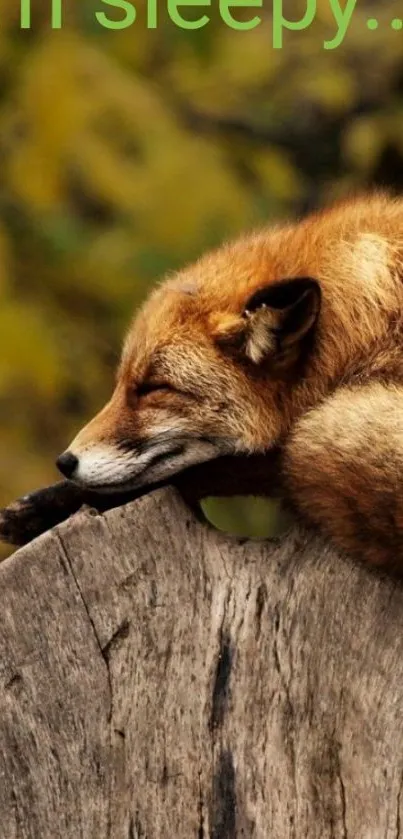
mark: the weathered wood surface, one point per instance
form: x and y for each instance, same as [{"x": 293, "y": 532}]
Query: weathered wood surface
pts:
[{"x": 160, "y": 680}]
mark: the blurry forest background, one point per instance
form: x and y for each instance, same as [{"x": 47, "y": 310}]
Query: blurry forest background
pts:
[{"x": 126, "y": 154}]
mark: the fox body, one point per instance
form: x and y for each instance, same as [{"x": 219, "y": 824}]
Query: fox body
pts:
[{"x": 278, "y": 359}]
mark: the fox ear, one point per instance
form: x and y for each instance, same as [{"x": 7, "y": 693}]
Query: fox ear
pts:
[{"x": 279, "y": 316}]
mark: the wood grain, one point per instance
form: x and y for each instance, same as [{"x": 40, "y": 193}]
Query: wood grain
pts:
[{"x": 158, "y": 679}]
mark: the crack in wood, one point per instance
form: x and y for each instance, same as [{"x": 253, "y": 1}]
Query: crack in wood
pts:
[
  {"x": 200, "y": 810},
  {"x": 223, "y": 798},
  {"x": 136, "y": 830},
  {"x": 261, "y": 600},
  {"x": 120, "y": 635},
  {"x": 343, "y": 801},
  {"x": 13, "y": 682},
  {"x": 221, "y": 682},
  {"x": 398, "y": 819},
  {"x": 288, "y": 716}
]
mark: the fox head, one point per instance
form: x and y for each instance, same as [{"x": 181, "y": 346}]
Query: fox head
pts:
[
  {"x": 196, "y": 380},
  {"x": 215, "y": 362}
]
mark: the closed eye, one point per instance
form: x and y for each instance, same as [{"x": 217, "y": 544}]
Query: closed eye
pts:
[
  {"x": 138, "y": 391},
  {"x": 153, "y": 387},
  {"x": 146, "y": 388}
]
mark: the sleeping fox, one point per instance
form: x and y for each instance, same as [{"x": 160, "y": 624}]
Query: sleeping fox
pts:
[{"x": 274, "y": 364}]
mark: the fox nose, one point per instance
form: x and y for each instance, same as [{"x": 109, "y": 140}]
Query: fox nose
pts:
[{"x": 67, "y": 464}]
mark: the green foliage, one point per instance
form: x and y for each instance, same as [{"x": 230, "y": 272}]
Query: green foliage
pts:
[
  {"x": 256, "y": 518},
  {"x": 125, "y": 154}
]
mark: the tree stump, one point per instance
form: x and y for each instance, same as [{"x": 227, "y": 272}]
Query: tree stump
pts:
[{"x": 158, "y": 679}]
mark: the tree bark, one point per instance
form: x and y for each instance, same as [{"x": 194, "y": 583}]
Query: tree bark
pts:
[{"x": 160, "y": 680}]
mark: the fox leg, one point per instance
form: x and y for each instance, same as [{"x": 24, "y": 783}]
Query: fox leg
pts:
[
  {"x": 28, "y": 517},
  {"x": 343, "y": 470}
]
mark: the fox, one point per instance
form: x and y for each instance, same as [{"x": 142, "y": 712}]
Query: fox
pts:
[{"x": 271, "y": 366}]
